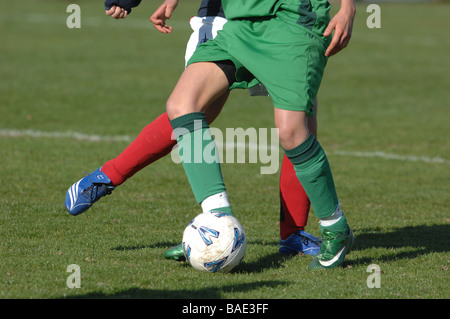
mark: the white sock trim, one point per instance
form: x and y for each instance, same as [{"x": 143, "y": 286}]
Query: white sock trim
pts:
[
  {"x": 333, "y": 219},
  {"x": 215, "y": 201}
]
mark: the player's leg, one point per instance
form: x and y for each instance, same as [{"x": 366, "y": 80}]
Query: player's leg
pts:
[
  {"x": 292, "y": 78},
  {"x": 293, "y": 199},
  {"x": 176, "y": 252},
  {"x": 199, "y": 84},
  {"x": 153, "y": 142},
  {"x": 294, "y": 209},
  {"x": 295, "y": 206},
  {"x": 314, "y": 173}
]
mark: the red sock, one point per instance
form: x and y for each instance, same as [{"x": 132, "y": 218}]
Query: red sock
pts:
[
  {"x": 294, "y": 203},
  {"x": 154, "y": 142},
  {"x": 151, "y": 144}
]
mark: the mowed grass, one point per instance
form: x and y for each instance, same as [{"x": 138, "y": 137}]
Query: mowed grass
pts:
[{"x": 383, "y": 120}]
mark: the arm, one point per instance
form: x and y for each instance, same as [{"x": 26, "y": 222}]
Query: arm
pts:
[
  {"x": 164, "y": 12},
  {"x": 342, "y": 24}
]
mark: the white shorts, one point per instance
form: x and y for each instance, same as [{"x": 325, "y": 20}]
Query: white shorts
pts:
[{"x": 204, "y": 29}]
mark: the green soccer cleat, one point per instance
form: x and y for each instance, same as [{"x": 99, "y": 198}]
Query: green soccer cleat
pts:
[
  {"x": 335, "y": 246},
  {"x": 175, "y": 253}
]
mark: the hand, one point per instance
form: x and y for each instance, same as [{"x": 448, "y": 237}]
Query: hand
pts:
[
  {"x": 163, "y": 13},
  {"x": 342, "y": 24},
  {"x": 117, "y": 12}
]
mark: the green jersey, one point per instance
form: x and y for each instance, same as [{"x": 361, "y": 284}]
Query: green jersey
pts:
[
  {"x": 311, "y": 14},
  {"x": 237, "y": 9}
]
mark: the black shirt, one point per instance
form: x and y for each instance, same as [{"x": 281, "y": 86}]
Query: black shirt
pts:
[{"x": 211, "y": 8}]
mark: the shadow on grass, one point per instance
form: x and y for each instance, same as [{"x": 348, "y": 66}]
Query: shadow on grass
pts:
[
  {"x": 166, "y": 245},
  {"x": 268, "y": 261},
  {"x": 271, "y": 261},
  {"x": 420, "y": 240},
  {"x": 205, "y": 293}
]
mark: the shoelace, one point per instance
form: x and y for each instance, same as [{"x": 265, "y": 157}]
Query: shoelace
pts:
[
  {"x": 306, "y": 240},
  {"x": 92, "y": 191}
]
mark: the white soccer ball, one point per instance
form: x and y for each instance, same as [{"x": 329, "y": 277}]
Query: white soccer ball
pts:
[{"x": 214, "y": 241}]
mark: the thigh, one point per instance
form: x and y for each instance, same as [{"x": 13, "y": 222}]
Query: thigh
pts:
[
  {"x": 198, "y": 87},
  {"x": 213, "y": 110}
]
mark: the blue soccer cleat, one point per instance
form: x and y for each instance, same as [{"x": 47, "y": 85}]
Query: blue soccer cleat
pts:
[
  {"x": 84, "y": 193},
  {"x": 300, "y": 242}
]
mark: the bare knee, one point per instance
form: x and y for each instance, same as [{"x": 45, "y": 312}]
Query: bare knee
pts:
[
  {"x": 173, "y": 108},
  {"x": 292, "y": 128},
  {"x": 292, "y": 137}
]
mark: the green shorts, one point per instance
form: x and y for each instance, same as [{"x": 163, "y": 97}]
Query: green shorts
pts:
[{"x": 275, "y": 51}]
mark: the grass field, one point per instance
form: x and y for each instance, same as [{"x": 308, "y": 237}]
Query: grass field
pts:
[{"x": 71, "y": 99}]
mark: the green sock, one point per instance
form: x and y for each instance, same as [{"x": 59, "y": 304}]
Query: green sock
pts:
[
  {"x": 226, "y": 210},
  {"x": 198, "y": 155},
  {"x": 341, "y": 226},
  {"x": 314, "y": 173},
  {"x": 336, "y": 223}
]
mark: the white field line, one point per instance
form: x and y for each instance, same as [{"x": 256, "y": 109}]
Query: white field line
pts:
[
  {"x": 11, "y": 133},
  {"x": 403, "y": 158},
  {"x": 59, "y": 135}
]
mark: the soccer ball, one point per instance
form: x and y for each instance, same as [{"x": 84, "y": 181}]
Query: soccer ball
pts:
[{"x": 214, "y": 241}]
